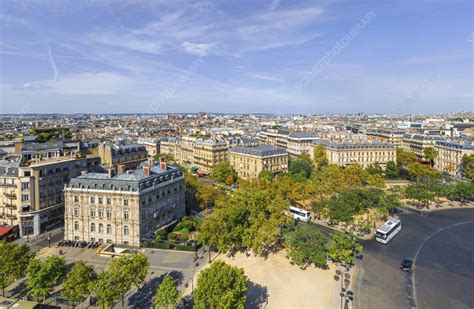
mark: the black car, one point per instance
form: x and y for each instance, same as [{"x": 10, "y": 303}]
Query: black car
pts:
[{"x": 406, "y": 265}]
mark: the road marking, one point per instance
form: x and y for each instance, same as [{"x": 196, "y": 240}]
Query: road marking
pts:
[{"x": 418, "y": 251}]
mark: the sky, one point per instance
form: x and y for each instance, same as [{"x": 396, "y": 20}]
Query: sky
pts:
[{"x": 290, "y": 57}]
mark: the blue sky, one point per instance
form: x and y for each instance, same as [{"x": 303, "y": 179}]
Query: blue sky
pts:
[{"x": 159, "y": 56}]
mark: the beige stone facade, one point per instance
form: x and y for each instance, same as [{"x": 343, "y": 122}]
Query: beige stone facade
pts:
[
  {"x": 418, "y": 142},
  {"x": 248, "y": 162},
  {"x": 31, "y": 194},
  {"x": 364, "y": 153},
  {"x": 124, "y": 209},
  {"x": 127, "y": 155},
  {"x": 450, "y": 155}
]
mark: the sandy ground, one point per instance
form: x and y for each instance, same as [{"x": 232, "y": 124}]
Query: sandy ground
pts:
[{"x": 275, "y": 283}]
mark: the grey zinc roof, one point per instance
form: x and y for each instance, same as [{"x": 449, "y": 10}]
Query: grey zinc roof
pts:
[
  {"x": 348, "y": 145},
  {"x": 134, "y": 181},
  {"x": 9, "y": 167},
  {"x": 466, "y": 146},
  {"x": 263, "y": 150},
  {"x": 303, "y": 135}
]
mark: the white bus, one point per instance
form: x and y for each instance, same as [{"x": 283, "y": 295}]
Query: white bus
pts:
[
  {"x": 388, "y": 230},
  {"x": 299, "y": 213}
]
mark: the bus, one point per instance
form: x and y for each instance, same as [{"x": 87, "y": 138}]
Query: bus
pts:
[
  {"x": 388, "y": 230},
  {"x": 300, "y": 214}
]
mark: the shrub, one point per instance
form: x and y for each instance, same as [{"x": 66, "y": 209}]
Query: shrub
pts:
[
  {"x": 172, "y": 236},
  {"x": 160, "y": 234}
]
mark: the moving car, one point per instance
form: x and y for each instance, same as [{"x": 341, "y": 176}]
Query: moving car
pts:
[{"x": 406, "y": 265}]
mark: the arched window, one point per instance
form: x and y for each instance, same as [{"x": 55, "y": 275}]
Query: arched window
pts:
[
  {"x": 125, "y": 230},
  {"x": 92, "y": 227},
  {"x": 101, "y": 228},
  {"x": 109, "y": 229}
]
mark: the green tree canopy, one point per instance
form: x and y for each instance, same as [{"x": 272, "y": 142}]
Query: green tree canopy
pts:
[
  {"x": 392, "y": 171},
  {"x": 430, "y": 154},
  {"x": 320, "y": 157},
  {"x": 301, "y": 168},
  {"x": 221, "y": 286},
  {"x": 43, "y": 276},
  {"x": 422, "y": 172},
  {"x": 266, "y": 175},
  {"x": 14, "y": 260},
  {"x": 221, "y": 171},
  {"x": 374, "y": 169},
  {"x": 405, "y": 157},
  {"x": 167, "y": 295},
  {"x": 419, "y": 192},
  {"x": 167, "y": 156},
  {"x": 76, "y": 285},
  {"x": 342, "y": 247},
  {"x": 107, "y": 289},
  {"x": 467, "y": 166},
  {"x": 306, "y": 245}
]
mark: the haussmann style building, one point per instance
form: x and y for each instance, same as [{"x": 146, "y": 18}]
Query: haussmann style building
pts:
[
  {"x": 124, "y": 208},
  {"x": 248, "y": 162}
]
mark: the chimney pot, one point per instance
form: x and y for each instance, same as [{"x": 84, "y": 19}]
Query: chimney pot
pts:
[
  {"x": 163, "y": 164},
  {"x": 146, "y": 170}
]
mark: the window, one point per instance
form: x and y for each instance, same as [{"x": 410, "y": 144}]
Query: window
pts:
[
  {"x": 25, "y": 197},
  {"x": 101, "y": 213},
  {"x": 76, "y": 198},
  {"x": 125, "y": 202},
  {"x": 76, "y": 225},
  {"x": 109, "y": 229},
  {"x": 76, "y": 211},
  {"x": 92, "y": 227},
  {"x": 101, "y": 228},
  {"x": 25, "y": 185},
  {"x": 101, "y": 200},
  {"x": 125, "y": 215},
  {"x": 92, "y": 212},
  {"x": 109, "y": 214},
  {"x": 92, "y": 239},
  {"x": 92, "y": 200},
  {"x": 125, "y": 230},
  {"x": 109, "y": 241},
  {"x": 109, "y": 201}
]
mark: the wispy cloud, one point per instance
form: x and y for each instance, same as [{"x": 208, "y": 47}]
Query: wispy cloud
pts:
[
  {"x": 196, "y": 48},
  {"x": 267, "y": 77}
]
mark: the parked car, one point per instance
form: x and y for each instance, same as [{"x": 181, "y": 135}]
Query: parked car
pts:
[{"x": 406, "y": 265}]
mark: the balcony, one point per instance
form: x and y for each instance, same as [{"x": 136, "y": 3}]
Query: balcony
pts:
[
  {"x": 7, "y": 185},
  {"x": 11, "y": 196}
]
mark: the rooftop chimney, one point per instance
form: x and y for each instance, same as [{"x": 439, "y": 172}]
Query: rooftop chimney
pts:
[
  {"x": 163, "y": 164},
  {"x": 146, "y": 170},
  {"x": 120, "y": 169},
  {"x": 150, "y": 162},
  {"x": 111, "y": 172}
]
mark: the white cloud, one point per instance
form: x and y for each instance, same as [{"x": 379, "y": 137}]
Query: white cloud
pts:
[
  {"x": 128, "y": 42},
  {"x": 103, "y": 83},
  {"x": 267, "y": 77},
  {"x": 197, "y": 48}
]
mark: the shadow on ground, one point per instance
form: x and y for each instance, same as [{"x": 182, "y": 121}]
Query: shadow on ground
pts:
[
  {"x": 257, "y": 295},
  {"x": 143, "y": 297}
]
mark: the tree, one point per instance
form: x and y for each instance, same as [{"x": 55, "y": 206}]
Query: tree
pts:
[
  {"x": 167, "y": 294},
  {"x": 355, "y": 176},
  {"x": 460, "y": 190},
  {"x": 467, "y": 166},
  {"x": 331, "y": 179},
  {"x": 76, "y": 285},
  {"x": 43, "y": 276},
  {"x": 107, "y": 289},
  {"x": 221, "y": 171},
  {"x": 129, "y": 270},
  {"x": 320, "y": 157},
  {"x": 374, "y": 169},
  {"x": 206, "y": 195},
  {"x": 306, "y": 245},
  {"x": 422, "y": 172},
  {"x": 342, "y": 247},
  {"x": 391, "y": 170},
  {"x": 430, "y": 154},
  {"x": 420, "y": 193},
  {"x": 14, "y": 260},
  {"x": 301, "y": 168},
  {"x": 229, "y": 180},
  {"x": 376, "y": 180},
  {"x": 405, "y": 157},
  {"x": 221, "y": 286},
  {"x": 268, "y": 175}
]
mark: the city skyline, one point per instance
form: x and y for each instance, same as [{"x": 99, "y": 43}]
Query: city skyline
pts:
[{"x": 277, "y": 57}]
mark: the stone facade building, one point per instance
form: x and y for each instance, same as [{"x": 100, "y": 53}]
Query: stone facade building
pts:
[
  {"x": 248, "y": 162},
  {"x": 125, "y": 208},
  {"x": 363, "y": 153},
  {"x": 418, "y": 142},
  {"x": 450, "y": 155},
  {"x": 121, "y": 153}
]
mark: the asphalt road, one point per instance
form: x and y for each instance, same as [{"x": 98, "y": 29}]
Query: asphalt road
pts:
[{"x": 441, "y": 244}]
